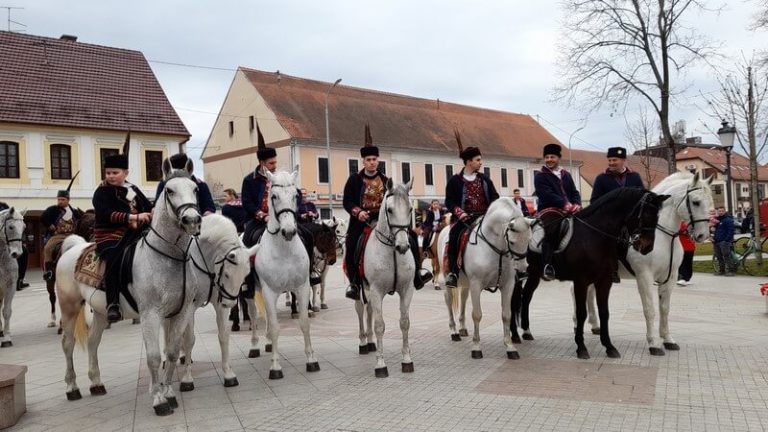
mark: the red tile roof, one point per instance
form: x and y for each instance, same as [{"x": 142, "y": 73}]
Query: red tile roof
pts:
[
  {"x": 716, "y": 159},
  {"x": 595, "y": 163},
  {"x": 55, "y": 82},
  {"x": 397, "y": 121}
]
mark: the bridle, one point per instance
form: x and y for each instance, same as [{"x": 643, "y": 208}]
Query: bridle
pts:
[
  {"x": 282, "y": 211},
  {"x": 5, "y": 232},
  {"x": 178, "y": 211},
  {"x": 388, "y": 239},
  {"x": 516, "y": 256},
  {"x": 214, "y": 276},
  {"x": 625, "y": 237}
]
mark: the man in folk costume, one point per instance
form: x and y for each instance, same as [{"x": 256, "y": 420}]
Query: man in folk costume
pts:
[
  {"x": 121, "y": 211},
  {"x": 468, "y": 195},
  {"x": 363, "y": 194},
  {"x": 557, "y": 196},
  {"x": 617, "y": 175},
  {"x": 59, "y": 220},
  {"x": 204, "y": 197},
  {"x": 255, "y": 200}
]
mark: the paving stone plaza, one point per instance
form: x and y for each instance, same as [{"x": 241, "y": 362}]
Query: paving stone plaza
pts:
[{"x": 718, "y": 381}]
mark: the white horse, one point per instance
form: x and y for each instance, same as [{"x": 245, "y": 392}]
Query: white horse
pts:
[
  {"x": 225, "y": 262},
  {"x": 162, "y": 280},
  {"x": 389, "y": 268},
  {"x": 495, "y": 253},
  {"x": 691, "y": 199},
  {"x": 11, "y": 232},
  {"x": 282, "y": 265}
]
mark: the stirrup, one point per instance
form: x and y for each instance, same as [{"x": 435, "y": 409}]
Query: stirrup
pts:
[
  {"x": 113, "y": 313},
  {"x": 353, "y": 292},
  {"x": 451, "y": 281},
  {"x": 549, "y": 273}
]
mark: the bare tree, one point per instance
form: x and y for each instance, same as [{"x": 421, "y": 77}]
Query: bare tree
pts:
[
  {"x": 617, "y": 50},
  {"x": 743, "y": 101},
  {"x": 641, "y": 134},
  {"x": 760, "y": 18}
]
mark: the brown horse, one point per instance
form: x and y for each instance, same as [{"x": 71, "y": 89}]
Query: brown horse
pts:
[
  {"x": 84, "y": 228},
  {"x": 431, "y": 253}
]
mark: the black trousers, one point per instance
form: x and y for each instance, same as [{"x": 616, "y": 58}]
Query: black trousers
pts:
[
  {"x": 22, "y": 261},
  {"x": 453, "y": 245},
  {"x": 686, "y": 267}
]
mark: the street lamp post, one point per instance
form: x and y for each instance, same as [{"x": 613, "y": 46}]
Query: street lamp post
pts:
[
  {"x": 570, "y": 153},
  {"x": 727, "y": 134},
  {"x": 328, "y": 148}
]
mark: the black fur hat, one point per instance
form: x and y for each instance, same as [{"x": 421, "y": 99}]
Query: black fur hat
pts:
[{"x": 368, "y": 149}]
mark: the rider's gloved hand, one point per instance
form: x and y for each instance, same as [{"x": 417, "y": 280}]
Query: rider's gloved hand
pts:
[
  {"x": 575, "y": 208},
  {"x": 463, "y": 217}
]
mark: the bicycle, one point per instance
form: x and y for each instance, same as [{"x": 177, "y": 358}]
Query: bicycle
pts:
[{"x": 741, "y": 251}]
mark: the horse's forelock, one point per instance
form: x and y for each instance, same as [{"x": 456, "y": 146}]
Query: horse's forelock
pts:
[
  {"x": 218, "y": 230},
  {"x": 282, "y": 178},
  {"x": 670, "y": 184},
  {"x": 177, "y": 173}
]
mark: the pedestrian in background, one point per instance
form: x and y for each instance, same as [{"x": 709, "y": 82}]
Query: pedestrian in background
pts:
[
  {"x": 685, "y": 272},
  {"x": 723, "y": 240}
]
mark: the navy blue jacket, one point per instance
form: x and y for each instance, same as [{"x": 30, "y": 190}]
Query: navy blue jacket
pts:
[
  {"x": 553, "y": 191},
  {"x": 429, "y": 220},
  {"x": 305, "y": 208},
  {"x": 236, "y": 213},
  {"x": 724, "y": 230},
  {"x": 204, "y": 197},
  {"x": 252, "y": 194},
  {"x": 454, "y": 192},
  {"x": 609, "y": 181}
]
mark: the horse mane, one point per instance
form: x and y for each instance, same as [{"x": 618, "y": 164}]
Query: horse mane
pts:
[
  {"x": 678, "y": 178},
  {"x": 620, "y": 194},
  {"x": 219, "y": 231}
]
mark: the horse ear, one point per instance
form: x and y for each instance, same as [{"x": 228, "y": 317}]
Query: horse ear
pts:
[
  {"x": 295, "y": 176},
  {"x": 270, "y": 176},
  {"x": 389, "y": 183},
  {"x": 253, "y": 250},
  {"x": 10, "y": 211},
  {"x": 696, "y": 178},
  {"x": 167, "y": 168},
  {"x": 190, "y": 166},
  {"x": 530, "y": 221},
  {"x": 410, "y": 184},
  {"x": 709, "y": 179}
]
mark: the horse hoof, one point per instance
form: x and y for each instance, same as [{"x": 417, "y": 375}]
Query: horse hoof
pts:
[
  {"x": 61, "y": 330},
  {"x": 362, "y": 349},
  {"x": 51, "y": 324},
  {"x": 182, "y": 359},
  {"x": 74, "y": 395},
  {"x": 163, "y": 409},
  {"x": 671, "y": 346},
  {"x": 596, "y": 331},
  {"x": 513, "y": 355},
  {"x": 275, "y": 374},
  {"x": 582, "y": 354},
  {"x": 477, "y": 354},
  {"x": 528, "y": 336},
  {"x": 463, "y": 332},
  {"x": 294, "y": 315},
  {"x": 231, "y": 382},
  {"x": 172, "y": 402},
  {"x": 656, "y": 351},
  {"x": 313, "y": 367},
  {"x": 315, "y": 309},
  {"x": 323, "y": 306},
  {"x": 408, "y": 367},
  {"x": 613, "y": 353},
  {"x": 381, "y": 372},
  {"x": 456, "y": 337},
  {"x": 6, "y": 344},
  {"x": 437, "y": 288},
  {"x": 268, "y": 347},
  {"x": 136, "y": 321},
  {"x": 98, "y": 390},
  {"x": 254, "y": 353},
  {"x": 516, "y": 339},
  {"x": 371, "y": 347},
  {"x": 186, "y": 386}
]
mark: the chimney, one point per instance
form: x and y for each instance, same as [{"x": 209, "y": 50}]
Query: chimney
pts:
[{"x": 68, "y": 38}]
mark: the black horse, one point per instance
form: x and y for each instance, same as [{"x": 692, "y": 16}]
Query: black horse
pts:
[{"x": 622, "y": 218}]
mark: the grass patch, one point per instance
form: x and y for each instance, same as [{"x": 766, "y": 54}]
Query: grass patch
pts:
[{"x": 707, "y": 267}]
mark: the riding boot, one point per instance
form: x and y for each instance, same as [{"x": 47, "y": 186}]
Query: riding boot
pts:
[
  {"x": 548, "y": 273},
  {"x": 353, "y": 290},
  {"x": 112, "y": 287},
  {"x": 421, "y": 275}
]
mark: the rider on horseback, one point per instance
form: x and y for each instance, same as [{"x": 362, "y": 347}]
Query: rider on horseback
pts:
[
  {"x": 468, "y": 195},
  {"x": 255, "y": 199},
  {"x": 363, "y": 195},
  {"x": 59, "y": 220},
  {"x": 556, "y": 190},
  {"x": 120, "y": 211}
]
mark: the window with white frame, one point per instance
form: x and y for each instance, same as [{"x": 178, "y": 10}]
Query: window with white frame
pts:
[
  {"x": 322, "y": 170},
  {"x": 61, "y": 162},
  {"x": 428, "y": 176},
  {"x": 405, "y": 172},
  {"x": 504, "y": 182},
  {"x": 520, "y": 179},
  {"x": 9, "y": 159}
]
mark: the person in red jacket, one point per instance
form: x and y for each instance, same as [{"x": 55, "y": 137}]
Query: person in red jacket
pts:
[{"x": 689, "y": 247}]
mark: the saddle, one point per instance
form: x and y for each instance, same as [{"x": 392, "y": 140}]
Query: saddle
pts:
[
  {"x": 360, "y": 251},
  {"x": 90, "y": 270},
  {"x": 564, "y": 235},
  {"x": 463, "y": 241}
]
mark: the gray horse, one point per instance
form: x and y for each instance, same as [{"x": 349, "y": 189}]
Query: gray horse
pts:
[
  {"x": 11, "y": 231},
  {"x": 163, "y": 278}
]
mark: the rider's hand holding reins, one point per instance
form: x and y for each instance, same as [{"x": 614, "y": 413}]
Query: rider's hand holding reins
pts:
[{"x": 363, "y": 216}]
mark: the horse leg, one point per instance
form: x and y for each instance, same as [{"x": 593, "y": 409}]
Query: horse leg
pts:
[
  {"x": 312, "y": 364},
  {"x": 646, "y": 289},
  {"x": 603, "y": 291},
  {"x": 273, "y": 331},
  {"x": 506, "y": 320},
  {"x": 580, "y": 295},
  {"x": 462, "y": 315},
  {"x": 363, "y": 334},
  {"x": 230, "y": 379},
  {"x": 69, "y": 315},
  {"x": 376, "y": 300},
  {"x": 527, "y": 296},
  {"x": 6, "y": 339},
  {"x": 253, "y": 314},
  {"x": 150, "y": 328},
  {"x": 187, "y": 382},
  {"x": 94, "y": 339},
  {"x": 477, "y": 315},
  {"x": 323, "y": 305},
  {"x": 51, "y": 287},
  {"x": 175, "y": 331},
  {"x": 294, "y": 310},
  {"x": 369, "y": 328},
  {"x": 449, "y": 296},
  {"x": 665, "y": 297},
  {"x": 405, "y": 325},
  {"x": 515, "y": 303}
]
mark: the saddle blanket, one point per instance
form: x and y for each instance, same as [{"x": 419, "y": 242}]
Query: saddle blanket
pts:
[
  {"x": 463, "y": 240},
  {"x": 89, "y": 269},
  {"x": 537, "y": 236}
]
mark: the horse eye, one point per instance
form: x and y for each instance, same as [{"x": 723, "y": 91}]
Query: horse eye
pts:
[
  {"x": 389, "y": 210},
  {"x": 170, "y": 191},
  {"x": 696, "y": 203}
]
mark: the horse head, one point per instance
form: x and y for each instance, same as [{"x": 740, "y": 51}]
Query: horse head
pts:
[
  {"x": 12, "y": 231},
  {"x": 694, "y": 206},
  {"x": 642, "y": 221},
  {"x": 396, "y": 208},
  {"x": 180, "y": 197},
  {"x": 282, "y": 204}
]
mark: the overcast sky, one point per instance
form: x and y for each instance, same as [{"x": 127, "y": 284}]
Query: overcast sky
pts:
[{"x": 494, "y": 54}]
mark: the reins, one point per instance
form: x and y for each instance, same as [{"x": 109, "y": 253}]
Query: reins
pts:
[
  {"x": 213, "y": 276},
  {"x": 516, "y": 256}
]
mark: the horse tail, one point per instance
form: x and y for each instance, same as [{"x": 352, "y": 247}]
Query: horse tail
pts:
[
  {"x": 70, "y": 242},
  {"x": 258, "y": 300},
  {"x": 81, "y": 327}
]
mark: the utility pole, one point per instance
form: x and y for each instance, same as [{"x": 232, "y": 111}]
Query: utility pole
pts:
[{"x": 10, "y": 21}]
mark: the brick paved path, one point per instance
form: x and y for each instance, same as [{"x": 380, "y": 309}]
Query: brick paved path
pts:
[{"x": 718, "y": 381}]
